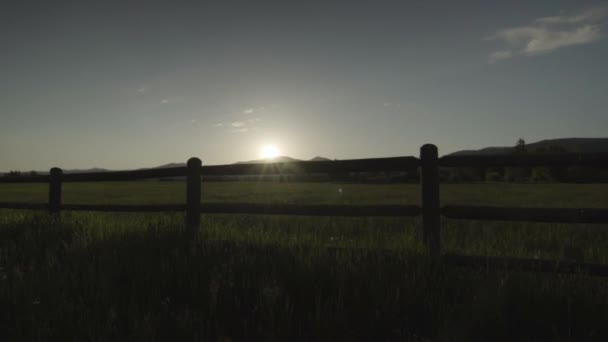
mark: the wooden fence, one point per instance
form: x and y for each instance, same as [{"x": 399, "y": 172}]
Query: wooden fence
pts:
[{"x": 431, "y": 210}]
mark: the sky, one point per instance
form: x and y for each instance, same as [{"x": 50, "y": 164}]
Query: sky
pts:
[{"x": 130, "y": 84}]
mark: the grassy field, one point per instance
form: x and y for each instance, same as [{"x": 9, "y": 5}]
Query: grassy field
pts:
[
  {"x": 104, "y": 276},
  {"x": 153, "y": 192}
]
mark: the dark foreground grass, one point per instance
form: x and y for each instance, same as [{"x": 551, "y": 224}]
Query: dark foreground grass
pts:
[{"x": 99, "y": 277}]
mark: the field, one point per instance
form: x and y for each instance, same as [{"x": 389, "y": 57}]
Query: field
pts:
[
  {"x": 103, "y": 276},
  {"x": 154, "y": 192}
]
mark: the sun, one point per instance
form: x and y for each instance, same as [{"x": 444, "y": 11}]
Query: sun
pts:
[{"x": 269, "y": 152}]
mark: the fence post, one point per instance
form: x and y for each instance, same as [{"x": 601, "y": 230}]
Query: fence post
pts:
[
  {"x": 431, "y": 215},
  {"x": 193, "y": 196},
  {"x": 55, "y": 190}
]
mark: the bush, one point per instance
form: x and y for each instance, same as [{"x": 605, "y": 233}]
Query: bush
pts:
[{"x": 493, "y": 176}]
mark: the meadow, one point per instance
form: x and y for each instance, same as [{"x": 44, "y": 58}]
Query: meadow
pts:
[{"x": 105, "y": 276}]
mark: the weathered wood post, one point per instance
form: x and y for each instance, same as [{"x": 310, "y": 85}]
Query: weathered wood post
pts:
[
  {"x": 193, "y": 196},
  {"x": 431, "y": 215},
  {"x": 55, "y": 190}
]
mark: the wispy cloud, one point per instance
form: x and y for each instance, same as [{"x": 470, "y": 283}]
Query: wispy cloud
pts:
[
  {"x": 241, "y": 126},
  {"x": 547, "y": 34},
  {"x": 248, "y": 111},
  {"x": 164, "y": 101},
  {"x": 589, "y": 15},
  {"x": 240, "y": 130}
]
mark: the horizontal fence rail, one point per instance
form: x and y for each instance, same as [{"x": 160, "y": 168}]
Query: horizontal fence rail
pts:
[
  {"x": 331, "y": 166},
  {"x": 431, "y": 211},
  {"x": 561, "y": 159},
  {"x": 17, "y": 205},
  {"x": 310, "y": 210},
  {"x": 25, "y": 179},
  {"x": 125, "y": 208},
  {"x": 240, "y": 208},
  {"x": 124, "y": 175},
  {"x": 524, "y": 264},
  {"x": 565, "y": 215}
]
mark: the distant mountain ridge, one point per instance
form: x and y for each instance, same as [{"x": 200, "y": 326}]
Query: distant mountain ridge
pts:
[
  {"x": 577, "y": 145},
  {"x": 281, "y": 159}
]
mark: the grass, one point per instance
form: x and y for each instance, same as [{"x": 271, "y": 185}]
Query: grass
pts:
[
  {"x": 153, "y": 192},
  {"x": 104, "y": 276}
]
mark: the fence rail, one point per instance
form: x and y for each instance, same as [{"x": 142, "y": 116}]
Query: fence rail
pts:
[
  {"x": 566, "y": 215},
  {"x": 431, "y": 210},
  {"x": 562, "y": 159},
  {"x": 331, "y": 166},
  {"x": 311, "y": 210}
]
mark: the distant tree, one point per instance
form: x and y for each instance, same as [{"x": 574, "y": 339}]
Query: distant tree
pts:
[
  {"x": 464, "y": 174},
  {"x": 549, "y": 174},
  {"x": 493, "y": 175},
  {"x": 542, "y": 175},
  {"x": 518, "y": 174},
  {"x": 33, "y": 173},
  {"x": 520, "y": 146}
]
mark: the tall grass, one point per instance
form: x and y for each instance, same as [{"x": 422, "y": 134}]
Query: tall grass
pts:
[{"x": 100, "y": 276}]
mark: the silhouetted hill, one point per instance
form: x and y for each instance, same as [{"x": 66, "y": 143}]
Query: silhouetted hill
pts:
[
  {"x": 281, "y": 159},
  {"x": 579, "y": 145},
  {"x": 95, "y": 169},
  {"x": 166, "y": 166},
  {"x": 317, "y": 158}
]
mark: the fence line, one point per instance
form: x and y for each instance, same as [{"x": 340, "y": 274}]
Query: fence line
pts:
[
  {"x": 561, "y": 159},
  {"x": 555, "y": 215},
  {"x": 431, "y": 211}
]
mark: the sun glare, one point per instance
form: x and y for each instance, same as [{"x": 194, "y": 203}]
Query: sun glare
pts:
[{"x": 269, "y": 152}]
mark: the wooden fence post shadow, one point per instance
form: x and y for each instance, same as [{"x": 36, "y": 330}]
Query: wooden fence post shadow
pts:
[
  {"x": 431, "y": 212},
  {"x": 55, "y": 190},
  {"x": 193, "y": 197}
]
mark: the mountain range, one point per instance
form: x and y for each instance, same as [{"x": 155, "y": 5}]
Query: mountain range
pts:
[{"x": 577, "y": 145}]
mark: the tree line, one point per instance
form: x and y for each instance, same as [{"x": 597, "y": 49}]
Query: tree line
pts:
[{"x": 556, "y": 174}]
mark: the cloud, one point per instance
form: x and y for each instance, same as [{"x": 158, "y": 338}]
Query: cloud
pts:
[
  {"x": 589, "y": 15},
  {"x": 240, "y": 130},
  {"x": 142, "y": 89},
  {"x": 248, "y": 111},
  {"x": 245, "y": 125},
  {"x": 164, "y": 101},
  {"x": 548, "y": 34}
]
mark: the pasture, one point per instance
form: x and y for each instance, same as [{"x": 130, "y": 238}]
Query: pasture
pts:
[
  {"x": 155, "y": 192},
  {"x": 100, "y": 276}
]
